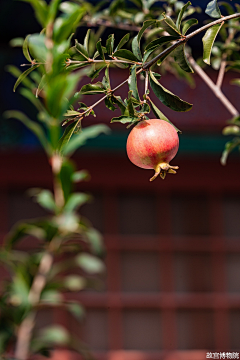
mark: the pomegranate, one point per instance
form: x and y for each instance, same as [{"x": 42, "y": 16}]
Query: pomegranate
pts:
[{"x": 152, "y": 144}]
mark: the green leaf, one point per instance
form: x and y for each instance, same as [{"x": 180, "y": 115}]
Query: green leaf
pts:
[
  {"x": 106, "y": 80},
  {"x": 16, "y": 73},
  {"x": 96, "y": 241},
  {"x": 110, "y": 44},
  {"x": 69, "y": 131},
  {"x": 136, "y": 48},
  {"x": 79, "y": 140},
  {"x": 75, "y": 201},
  {"x": 132, "y": 82},
  {"x": 126, "y": 55},
  {"x": 161, "y": 116},
  {"x": 45, "y": 199},
  {"x": 25, "y": 49},
  {"x": 181, "y": 59},
  {"x": 146, "y": 24},
  {"x": 90, "y": 263},
  {"x": 33, "y": 126},
  {"x": 118, "y": 101},
  {"x": 65, "y": 176},
  {"x": 168, "y": 98},
  {"x": 81, "y": 49},
  {"x": 213, "y": 9},
  {"x": 109, "y": 103},
  {"x": 162, "y": 40},
  {"x": 231, "y": 130},
  {"x": 37, "y": 46},
  {"x": 181, "y": 13},
  {"x": 92, "y": 89},
  {"x": 169, "y": 25},
  {"x": 65, "y": 25},
  {"x": 229, "y": 147},
  {"x": 23, "y": 75},
  {"x": 235, "y": 82},
  {"x": 123, "y": 119},
  {"x": 187, "y": 24},
  {"x": 86, "y": 41},
  {"x": 54, "y": 334},
  {"x": 208, "y": 41},
  {"x": 130, "y": 104},
  {"x": 81, "y": 175},
  {"x": 100, "y": 49},
  {"x": 41, "y": 85},
  {"x": 76, "y": 310},
  {"x": 96, "y": 72},
  {"x": 41, "y": 10},
  {"x": 123, "y": 41}
]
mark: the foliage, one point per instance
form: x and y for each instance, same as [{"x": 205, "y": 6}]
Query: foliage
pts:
[{"x": 55, "y": 66}]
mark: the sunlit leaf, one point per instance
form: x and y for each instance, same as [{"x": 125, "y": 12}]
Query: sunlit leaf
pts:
[
  {"x": 23, "y": 75},
  {"x": 208, "y": 41},
  {"x": 124, "y": 119},
  {"x": 90, "y": 263},
  {"x": 167, "y": 97},
  {"x": 92, "y": 89},
  {"x": 229, "y": 147},
  {"x": 169, "y": 25},
  {"x": 188, "y": 24},
  {"x": 69, "y": 131},
  {"x": 213, "y": 9},
  {"x": 80, "y": 139},
  {"x": 75, "y": 200},
  {"x": 181, "y": 13},
  {"x": 123, "y": 41},
  {"x": 25, "y": 49},
  {"x": 100, "y": 49}
]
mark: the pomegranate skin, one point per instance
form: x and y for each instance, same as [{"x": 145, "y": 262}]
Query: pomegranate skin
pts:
[{"x": 152, "y": 144}]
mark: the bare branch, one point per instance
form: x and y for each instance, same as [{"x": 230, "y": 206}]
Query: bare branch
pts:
[{"x": 216, "y": 90}]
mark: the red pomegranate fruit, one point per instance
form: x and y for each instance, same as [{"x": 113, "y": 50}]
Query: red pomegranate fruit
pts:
[{"x": 152, "y": 144}]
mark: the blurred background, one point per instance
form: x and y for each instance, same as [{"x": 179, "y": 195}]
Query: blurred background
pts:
[{"x": 172, "y": 287}]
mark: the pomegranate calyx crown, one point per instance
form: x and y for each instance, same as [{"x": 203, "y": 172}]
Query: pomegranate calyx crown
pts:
[{"x": 162, "y": 169}]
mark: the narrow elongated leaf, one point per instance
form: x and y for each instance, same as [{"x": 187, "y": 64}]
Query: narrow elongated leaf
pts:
[
  {"x": 90, "y": 263},
  {"x": 86, "y": 41},
  {"x": 136, "y": 48},
  {"x": 110, "y": 44},
  {"x": 32, "y": 125},
  {"x": 46, "y": 200},
  {"x": 167, "y": 97},
  {"x": 213, "y": 9},
  {"x": 23, "y": 75},
  {"x": 52, "y": 10},
  {"x": 180, "y": 15},
  {"x": 96, "y": 72},
  {"x": 187, "y": 24},
  {"x": 81, "y": 49},
  {"x": 100, "y": 50},
  {"x": 92, "y": 89},
  {"x": 123, "y": 119},
  {"x": 69, "y": 131},
  {"x": 132, "y": 82},
  {"x": 208, "y": 41},
  {"x": 229, "y": 147},
  {"x": 123, "y": 41},
  {"x": 160, "y": 115},
  {"x": 162, "y": 40},
  {"x": 75, "y": 201},
  {"x": 118, "y": 101},
  {"x": 126, "y": 55},
  {"x": 41, "y": 85},
  {"x": 146, "y": 24},
  {"x": 79, "y": 140},
  {"x": 169, "y": 25},
  {"x": 25, "y": 49},
  {"x": 180, "y": 58},
  {"x": 130, "y": 104}
]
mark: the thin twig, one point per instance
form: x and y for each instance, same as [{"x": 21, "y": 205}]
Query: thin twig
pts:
[{"x": 217, "y": 91}]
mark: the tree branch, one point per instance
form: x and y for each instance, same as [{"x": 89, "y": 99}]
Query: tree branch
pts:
[{"x": 216, "y": 90}]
